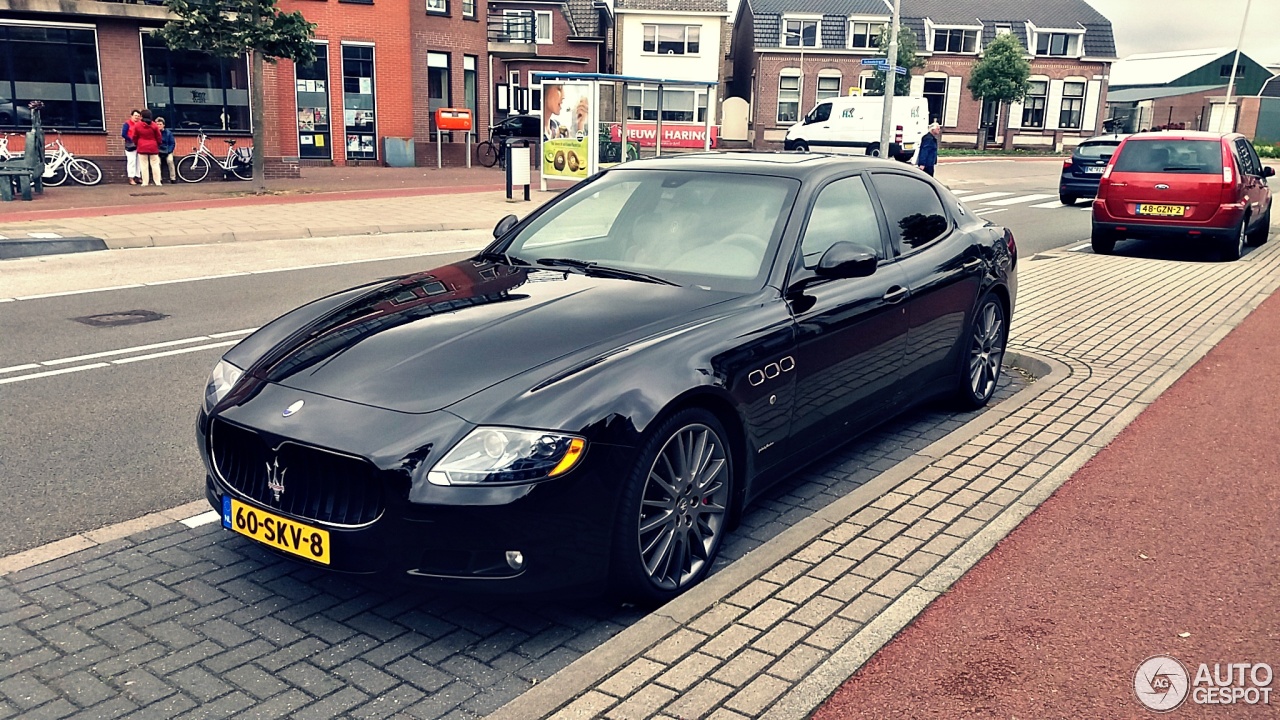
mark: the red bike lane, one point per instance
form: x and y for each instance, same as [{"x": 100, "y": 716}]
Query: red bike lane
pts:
[{"x": 1165, "y": 543}]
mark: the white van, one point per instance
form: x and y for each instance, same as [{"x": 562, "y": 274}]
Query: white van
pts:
[{"x": 843, "y": 123}]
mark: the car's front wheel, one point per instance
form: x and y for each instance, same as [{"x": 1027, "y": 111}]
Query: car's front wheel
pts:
[
  {"x": 674, "y": 510},
  {"x": 1259, "y": 234},
  {"x": 800, "y": 146},
  {"x": 984, "y": 353}
]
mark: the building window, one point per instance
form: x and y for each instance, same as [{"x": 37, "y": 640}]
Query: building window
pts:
[
  {"x": 955, "y": 40},
  {"x": 358, "y": 102},
  {"x": 543, "y": 26},
  {"x": 195, "y": 89},
  {"x": 56, "y": 65},
  {"x": 1033, "y": 104},
  {"x": 677, "y": 105},
  {"x": 864, "y": 35},
  {"x": 437, "y": 83},
  {"x": 672, "y": 39},
  {"x": 800, "y": 33},
  {"x": 867, "y": 81},
  {"x": 828, "y": 87},
  {"x": 437, "y": 7},
  {"x": 788, "y": 97},
  {"x": 1002, "y": 29},
  {"x": 468, "y": 8},
  {"x": 523, "y": 26},
  {"x": 1059, "y": 44},
  {"x": 312, "y": 87},
  {"x": 469, "y": 85},
  {"x": 1224, "y": 71},
  {"x": 935, "y": 93},
  {"x": 1072, "y": 105}
]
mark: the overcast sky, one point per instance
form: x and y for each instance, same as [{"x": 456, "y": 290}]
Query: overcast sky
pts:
[{"x": 1143, "y": 26}]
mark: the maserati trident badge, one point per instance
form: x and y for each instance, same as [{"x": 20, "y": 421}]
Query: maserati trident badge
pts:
[
  {"x": 275, "y": 478},
  {"x": 292, "y": 409}
]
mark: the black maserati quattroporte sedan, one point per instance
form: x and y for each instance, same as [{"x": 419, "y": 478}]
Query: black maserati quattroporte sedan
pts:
[{"x": 594, "y": 398}]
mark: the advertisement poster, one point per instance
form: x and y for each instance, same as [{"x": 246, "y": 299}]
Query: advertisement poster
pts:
[{"x": 567, "y": 116}]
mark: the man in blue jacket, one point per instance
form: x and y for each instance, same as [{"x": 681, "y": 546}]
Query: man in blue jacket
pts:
[
  {"x": 927, "y": 156},
  {"x": 167, "y": 145}
]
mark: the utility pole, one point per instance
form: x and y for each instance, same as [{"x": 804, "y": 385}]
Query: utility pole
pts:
[
  {"x": 890, "y": 75},
  {"x": 1231, "y": 84}
]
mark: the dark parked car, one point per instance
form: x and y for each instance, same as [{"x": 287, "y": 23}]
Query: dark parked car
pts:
[
  {"x": 1081, "y": 173},
  {"x": 597, "y": 395},
  {"x": 517, "y": 126},
  {"x": 1184, "y": 184}
]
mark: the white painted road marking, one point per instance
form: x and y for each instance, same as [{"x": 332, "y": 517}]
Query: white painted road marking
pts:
[
  {"x": 1080, "y": 247},
  {"x": 1054, "y": 204},
  {"x": 990, "y": 211},
  {"x": 49, "y": 373},
  {"x": 153, "y": 356},
  {"x": 986, "y": 195},
  {"x": 123, "y": 351},
  {"x": 44, "y": 235},
  {"x": 202, "y": 519},
  {"x": 1016, "y": 200},
  {"x": 16, "y": 368}
]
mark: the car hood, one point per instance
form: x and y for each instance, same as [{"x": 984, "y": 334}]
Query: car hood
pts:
[{"x": 425, "y": 341}]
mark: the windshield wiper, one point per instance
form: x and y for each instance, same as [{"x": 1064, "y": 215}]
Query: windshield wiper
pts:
[
  {"x": 504, "y": 258},
  {"x": 594, "y": 268}
]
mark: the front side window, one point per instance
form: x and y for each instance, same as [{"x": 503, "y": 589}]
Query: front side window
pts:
[
  {"x": 955, "y": 40},
  {"x": 800, "y": 33},
  {"x": 828, "y": 86},
  {"x": 56, "y": 65},
  {"x": 672, "y": 39},
  {"x": 788, "y": 97},
  {"x": 195, "y": 89},
  {"x": 842, "y": 213},
  {"x": 912, "y": 207},
  {"x": 1072, "y": 106},
  {"x": 820, "y": 113},
  {"x": 864, "y": 35},
  {"x": 1033, "y": 104}
]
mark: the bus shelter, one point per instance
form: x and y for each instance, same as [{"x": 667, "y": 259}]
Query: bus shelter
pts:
[{"x": 585, "y": 122}]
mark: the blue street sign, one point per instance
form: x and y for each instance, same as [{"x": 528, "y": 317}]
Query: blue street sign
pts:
[{"x": 874, "y": 61}]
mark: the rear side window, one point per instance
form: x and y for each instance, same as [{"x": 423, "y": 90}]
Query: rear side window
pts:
[
  {"x": 1096, "y": 151},
  {"x": 1180, "y": 156},
  {"x": 915, "y": 213}
]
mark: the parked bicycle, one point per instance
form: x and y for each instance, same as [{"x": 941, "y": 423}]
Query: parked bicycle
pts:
[
  {"x": 492, "y": 152},
  {"x": 195, "y": 167},
  {"x": 60, "y": 163},
  {"x": 5, "y": 152}
]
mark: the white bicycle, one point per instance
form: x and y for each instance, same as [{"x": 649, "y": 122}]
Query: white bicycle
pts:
[
  {"x": 195, "y": 167},
  {"x": 60, "y": 163}
]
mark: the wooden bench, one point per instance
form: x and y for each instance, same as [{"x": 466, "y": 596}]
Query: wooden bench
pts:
[{"x": 15, "y": 179}]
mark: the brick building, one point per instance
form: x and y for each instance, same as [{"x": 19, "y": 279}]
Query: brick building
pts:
[{"x": 788, "y": 54}]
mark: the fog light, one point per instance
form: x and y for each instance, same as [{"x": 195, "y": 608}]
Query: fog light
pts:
[{"x": 515, "y": 559}]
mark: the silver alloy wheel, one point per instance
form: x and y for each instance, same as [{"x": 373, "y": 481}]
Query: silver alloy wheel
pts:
[
  {"x": 987, "y": 351},
  {"x": 683, "y": 506},
  {"x": 1242, "y": 237}
]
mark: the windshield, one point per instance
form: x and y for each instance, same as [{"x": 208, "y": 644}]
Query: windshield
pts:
[
  {"x": 1185, "y": 156},
  {"x": 713, "y": 230},
  {"x": 1097, "y": 150}
]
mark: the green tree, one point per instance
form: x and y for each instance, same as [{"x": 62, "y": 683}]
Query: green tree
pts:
[
  {"x": 234, "y": 28},
  {"x": 907, "y": 58},
  {"x": 1002, "y": 73}
]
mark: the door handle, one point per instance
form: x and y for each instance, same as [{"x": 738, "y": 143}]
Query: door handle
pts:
[
  {"x": 971, "y": 263},
  {"x": 895, "y": 294}
]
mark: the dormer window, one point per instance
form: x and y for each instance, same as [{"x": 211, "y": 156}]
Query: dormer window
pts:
[
  {"x": 955, "y": 40},
  {"x": 1058, "y": 44},
  {"x": 800, "y": 33},
  {"x": 865, "y": 34}
]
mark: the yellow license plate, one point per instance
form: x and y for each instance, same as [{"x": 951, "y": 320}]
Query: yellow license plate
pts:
[
  {"x": 1162, "y": 210},
  {"x": 280, "y": 533}
]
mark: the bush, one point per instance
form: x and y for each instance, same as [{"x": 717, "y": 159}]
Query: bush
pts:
[{"x": 1267, "y": 151}]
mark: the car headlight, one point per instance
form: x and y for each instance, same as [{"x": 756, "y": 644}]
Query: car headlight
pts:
[
  {"x": 497, "y": 455},
  {"x": 221, "y": 380}
]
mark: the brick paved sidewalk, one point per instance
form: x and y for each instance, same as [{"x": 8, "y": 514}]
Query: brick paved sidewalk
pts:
[{"x": 186, "y": 621}]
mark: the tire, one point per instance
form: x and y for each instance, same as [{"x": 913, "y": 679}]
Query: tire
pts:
[
  {"x": 487, "y": 154},
  {"x": 242, "y": 170},
  {"x": 58, "y": 177},
  {"x": 1259, "y": 235},
  {"x": 671, "y": 522},
  {"x": 85, "y": 172},
  {"x": 1067, "y": 199},
  {"x": 800, "y": 146},
  {"x": 874, "y": 150},
  {"x": 1232, "y": 248},
  {"x": 1103, "y": 243},
  {"x": 193, "y": 168},
  {"x": 980, "y": 363}
]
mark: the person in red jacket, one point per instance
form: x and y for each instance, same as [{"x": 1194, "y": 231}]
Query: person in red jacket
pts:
[{"x": 147, "y": 136}]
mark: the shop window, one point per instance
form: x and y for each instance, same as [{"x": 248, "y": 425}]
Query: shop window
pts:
[
  {"x": 194, "y": 90},
  {"x": 358, "y": 106},
  {"x": 56, "y": 65},
  {"x": 315, "y": 134}
]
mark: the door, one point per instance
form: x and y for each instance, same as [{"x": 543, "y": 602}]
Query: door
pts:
[
  {"x": 941, "y": 266},
  {"x": 1256, "y": 193},
  {"x": 817, "y": 125},
  {"x": 850, "y": 333},
  {"x": 990, "y": 119}
]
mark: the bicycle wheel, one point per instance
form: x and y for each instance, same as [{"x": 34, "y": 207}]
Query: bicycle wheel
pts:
[
  {"x": 193, "y": 168},
  {"x": 242, "y": 170},
  {"x": 487, "y": 154},
  {"x": 57, "y": 177},
  {"x": 85, "y": 172}
]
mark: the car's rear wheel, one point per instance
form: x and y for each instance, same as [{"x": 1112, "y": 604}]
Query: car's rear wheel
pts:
[
  {"x": 1233, "y": 247},
  {"x": 1067, "y": 199},
  {"x": 674, "y": 510},
  {"x": 984, "y": 353},
  {"x": 1259, "y": 234},
  {"x": 1103, "y": 242}
]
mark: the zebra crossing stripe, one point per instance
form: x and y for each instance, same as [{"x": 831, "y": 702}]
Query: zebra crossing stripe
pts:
[
  {"x": 960, "y": 192},
  {"x": 1052, "y": 204},
  {"x": 985, "y": 196},
  {"x": 1018, "y": 199}
]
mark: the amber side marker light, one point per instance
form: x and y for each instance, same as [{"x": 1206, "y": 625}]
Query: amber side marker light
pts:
[{"x": 571, "y": 457}]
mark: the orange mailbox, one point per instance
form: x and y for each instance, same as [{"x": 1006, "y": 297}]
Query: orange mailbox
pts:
[{"x": 453, "y": 119}]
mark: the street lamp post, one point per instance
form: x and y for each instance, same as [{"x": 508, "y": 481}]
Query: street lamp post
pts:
[
  {"x": 890, "y": 76},
  {"x": 799, "y": 36},
  {"x": 1231, "y": 83}
]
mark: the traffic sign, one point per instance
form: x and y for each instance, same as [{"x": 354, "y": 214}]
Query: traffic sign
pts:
[{"x": 874, "y": 61}]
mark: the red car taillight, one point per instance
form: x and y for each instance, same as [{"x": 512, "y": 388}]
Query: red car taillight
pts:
[
  {"x": 1013, "y": 246},
  {"x": 1066, "y": 164}
]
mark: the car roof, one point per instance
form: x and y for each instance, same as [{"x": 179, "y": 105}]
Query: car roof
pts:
[
  {"x": 1180, "y": 135},
  {"x": 787, "y": 164},
  {"x": 1114, "y": 137}
]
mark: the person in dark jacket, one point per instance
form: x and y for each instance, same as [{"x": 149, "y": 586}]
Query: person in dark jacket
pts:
[
  {"x": 927, "y": 155},
  {"x": 130, "y": 149},
  {"x": 147, "y": 137},
  {"x": 167, "y": 145}
]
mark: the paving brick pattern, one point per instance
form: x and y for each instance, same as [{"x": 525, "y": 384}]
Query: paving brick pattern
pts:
[{"x": 179, "y": 622}]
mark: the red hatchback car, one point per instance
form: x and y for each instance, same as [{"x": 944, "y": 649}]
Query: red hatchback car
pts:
[{"x": 1184, "y": 184}]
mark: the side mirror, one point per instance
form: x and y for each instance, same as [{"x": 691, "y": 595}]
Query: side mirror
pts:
[
  {"x": 1268, "y": 171},
  {"x": 846, "y": 260},
  {"x": 504, "y": 225}
]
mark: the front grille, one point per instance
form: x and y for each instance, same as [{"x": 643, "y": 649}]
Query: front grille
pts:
[{"x": 318, "y": 485}]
